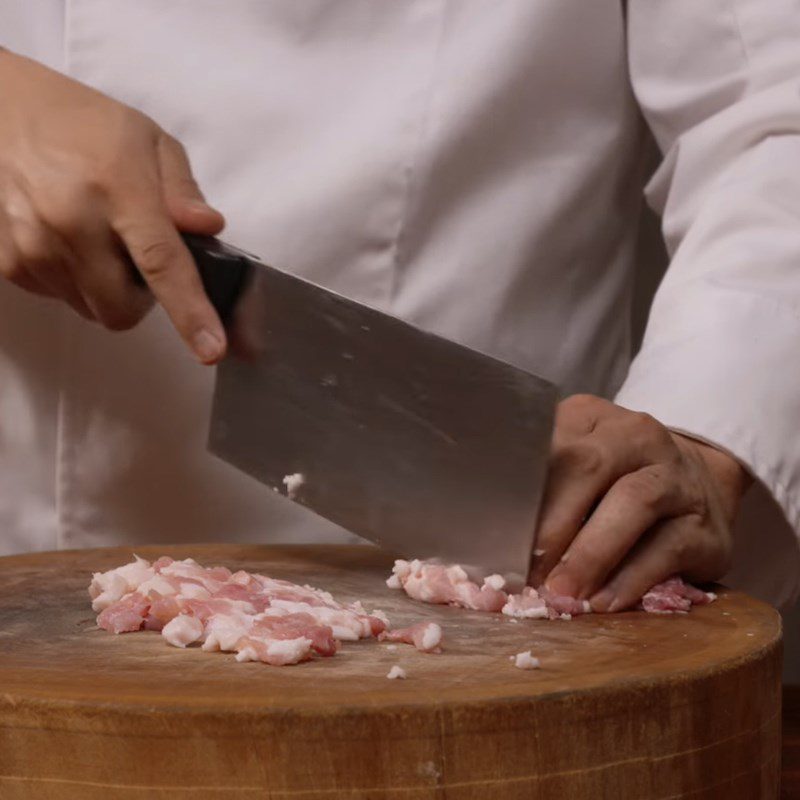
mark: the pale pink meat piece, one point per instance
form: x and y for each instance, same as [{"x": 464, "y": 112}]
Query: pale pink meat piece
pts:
[
  {"x": 258, "y": 617},
  {"x": 277, "y": 652},
  {"x": 126, "y": 615},
  {"x": 296, "y": 626},
  {"x": 425, "y": 636},
  {"x": 108, "y": 587},
  {"x": 183, "y": 630},
  {"x": 674, "y": 595},
  {"x": 450, "y": 585},
  {"x": 438, "y": 583},
  {"x": 528, "y": 604},
  {"x": 561, "y": 606}
]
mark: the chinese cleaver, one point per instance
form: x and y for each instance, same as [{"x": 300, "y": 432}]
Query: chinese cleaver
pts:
[{"x": 418, "y": 444}]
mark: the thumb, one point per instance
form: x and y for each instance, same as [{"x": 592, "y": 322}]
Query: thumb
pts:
[{"x": 185, "y": 201}]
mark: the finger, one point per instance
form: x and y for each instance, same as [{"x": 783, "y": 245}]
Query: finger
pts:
[
  {"x": 580, "y": 473},
  {"x": 585, "y": 465},
  {"x": 579, "y": 414},
  {"x": 44, "y": 260},
  {"x": 633, "y": 505},
  {"x": 93, "y": 259},
  {"x": 10, "y": 263},
  {"x": 17, "y": 275},
  {"x": 32, "y": 253},
  {"x": 185, "y": 201},
  {"x": 168, "y": 268},
  {"x": 105, "y": 277},
  {"x": 664, "y": 552}
]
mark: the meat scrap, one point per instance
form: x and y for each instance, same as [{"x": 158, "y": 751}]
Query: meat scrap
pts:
[
  {"x": 396, "y": 672},
  {"x": 425, "y": 636},
  {"x": 450, "y": 585},
  {"x": 437, "y": 583},
  {"x": 525, "y": 660},
  {"x": 257, "y": 617},
  {"x": 673, "y": 596}
]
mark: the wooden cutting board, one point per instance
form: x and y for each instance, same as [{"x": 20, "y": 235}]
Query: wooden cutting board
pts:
[{"x": 626, "y": 706}]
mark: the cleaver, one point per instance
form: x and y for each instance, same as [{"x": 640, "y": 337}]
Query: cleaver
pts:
[{"x": 421, "y": 445}]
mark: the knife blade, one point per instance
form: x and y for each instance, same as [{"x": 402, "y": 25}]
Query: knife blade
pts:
[{"x": 421, "y": 445}]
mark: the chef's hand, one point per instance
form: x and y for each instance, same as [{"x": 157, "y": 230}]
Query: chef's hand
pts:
[
  {"x": 629, "y": 503},
  {"x": 88, "y": 185}
]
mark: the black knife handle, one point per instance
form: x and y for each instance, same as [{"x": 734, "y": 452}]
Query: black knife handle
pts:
[{"x": 223, "y": 271}]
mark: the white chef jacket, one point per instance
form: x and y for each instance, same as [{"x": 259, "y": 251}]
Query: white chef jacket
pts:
[{"x": 474, "y": 166}]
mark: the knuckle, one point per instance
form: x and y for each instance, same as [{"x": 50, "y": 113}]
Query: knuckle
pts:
[
  {"x": 67, "y": 221},
  {"x": 583, "y": 458},
  {"x": 698, "y": 508},
  {"x": 174, "y": 144},
  {"x": 650, "y": 428},
  {"x": 581, "y": 413},
  {"x": 686, "y": 547},
  {"x": 646, "y": 488},
  {"x": 681, "y": 546},
  {"x": 578, "y": 404},
  {"x": 11, "y": 268},
  {"x": 156, "y": 258},
  {"x": 69, "y": 208},
  {"x": 96, "y": 185},
  {"x": 128, "y": 133},
  {"x": 36, "y": 257}
]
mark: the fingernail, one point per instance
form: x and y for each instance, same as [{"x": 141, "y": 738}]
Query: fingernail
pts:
[
  {"x": 604, "y": 601},
  {"x": 562, "y": 585},
  {"x": 207, "y": 347}
]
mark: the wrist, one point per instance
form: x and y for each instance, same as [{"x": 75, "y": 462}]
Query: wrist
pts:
[{"x": 730, "y": 477}]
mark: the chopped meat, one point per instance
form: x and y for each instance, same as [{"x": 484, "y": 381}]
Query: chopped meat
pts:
[
  {"x": 525, "y": 661},
  {"x": 257, "y": 617},
  {"x": 293, "y": 483},
  {"x": 438, "y": 583},
  {"x": 396, "y": 672},
  {"x": 425, "y": 636},
  {"x": 108, "y": 587},
  {"x": 182, "y": 630},
  {"x": 674, "y": 595},
  {"x": 496, "y": 582},
  {"x": 125, "y": 615},
  {"x": 278, "y": 653},
  {"x": 528, "y": 604},
  {"x": 561, "y": 606},
  {"x": 321, "y": 637}
]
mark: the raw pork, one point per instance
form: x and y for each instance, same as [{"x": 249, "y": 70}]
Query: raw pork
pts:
[
  {"x": 674, "y": 595},
  {"x": 396, "y": 672},
  {"x": 257, "y": 617},
  {"x": 525, "y": 660},
  {"x": 425, "y": 636},
  {"x": 438, "y": 583}
]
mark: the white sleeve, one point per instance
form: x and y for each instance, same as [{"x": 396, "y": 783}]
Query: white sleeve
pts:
[
  {"x": 34, "y": 28},
  {"x": 718, "y": 82}
]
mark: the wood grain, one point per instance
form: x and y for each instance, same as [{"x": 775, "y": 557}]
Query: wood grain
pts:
[{"x": 626, "y": 706}]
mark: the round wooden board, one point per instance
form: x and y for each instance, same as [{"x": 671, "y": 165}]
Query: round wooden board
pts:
[{"x": 625, "y": 706}]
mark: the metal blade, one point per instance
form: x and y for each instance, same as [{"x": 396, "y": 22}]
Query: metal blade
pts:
[{"x": 421, "y": 445}]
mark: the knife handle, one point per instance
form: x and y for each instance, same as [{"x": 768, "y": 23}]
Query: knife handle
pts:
[{"x": 223, "y": 270}]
